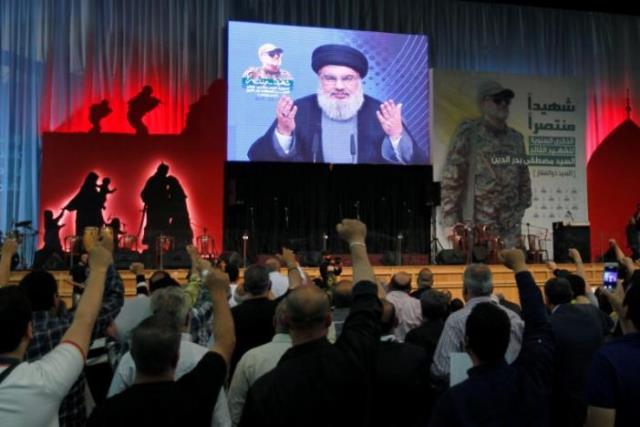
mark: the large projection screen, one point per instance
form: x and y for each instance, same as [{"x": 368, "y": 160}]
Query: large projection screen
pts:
[{"x": 319, "y": 95}]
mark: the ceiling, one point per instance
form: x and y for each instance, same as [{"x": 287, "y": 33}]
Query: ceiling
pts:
[{"x": 617, "y": 7}]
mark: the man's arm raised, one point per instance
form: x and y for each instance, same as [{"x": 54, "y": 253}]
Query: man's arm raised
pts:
[
  {"x": 81, "y": 329},
  {"x": 224, "y": 337},
  {"x": 354, "y": 233},
  {"x": 9, "y": 248}
]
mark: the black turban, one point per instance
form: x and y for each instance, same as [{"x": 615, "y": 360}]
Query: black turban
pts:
[{"x": 338, "y": 54}]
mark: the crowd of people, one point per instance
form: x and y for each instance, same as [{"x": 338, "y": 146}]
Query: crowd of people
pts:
[{"x": 284, "y": 350}]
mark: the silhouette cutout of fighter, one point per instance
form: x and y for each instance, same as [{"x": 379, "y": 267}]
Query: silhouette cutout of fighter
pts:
[{"x": 140, "y": 105}]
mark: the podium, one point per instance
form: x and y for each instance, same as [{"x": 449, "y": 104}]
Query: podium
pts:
[{"x": 567, "y": 236}]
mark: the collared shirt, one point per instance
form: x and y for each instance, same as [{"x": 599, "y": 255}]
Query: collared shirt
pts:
[
  {"x": 190, "y": 355},
  {"x": 48, "y": 329},
  {"x": 408, "y": 313},
  {"x": 279, "y": 284},
  {"x": 134, "y": 311},
  {"x": 31, "y": 394},
  {"x": 452, "y": 338},
  {"x": 254, "y": 364}
]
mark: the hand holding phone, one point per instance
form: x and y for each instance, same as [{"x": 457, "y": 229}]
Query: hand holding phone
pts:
[{"x": 610, "y": 276}]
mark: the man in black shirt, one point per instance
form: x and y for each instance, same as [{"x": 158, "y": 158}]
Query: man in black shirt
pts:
[
  {"x": 496, "y": 393},
  {"x": 253, "y": 319},
  {"x": 156, "y": 399},
  {"x": 314, "y": 377}
]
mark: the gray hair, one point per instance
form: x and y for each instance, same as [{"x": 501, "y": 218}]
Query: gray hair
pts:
[
  {"x": 477, "y": 280},
  {"x": 171, "y": 301}
]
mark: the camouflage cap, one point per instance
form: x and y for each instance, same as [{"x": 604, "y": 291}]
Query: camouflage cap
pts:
[
  {"x": 492, "y": 88},
  {"x": 269, "y": 48}
]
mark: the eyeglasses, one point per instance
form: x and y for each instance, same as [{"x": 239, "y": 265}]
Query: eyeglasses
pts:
[
  {"x": 500, "y": 99},
  {"x": 274, "y": 54},
  {"x": 332, "y": 80}
]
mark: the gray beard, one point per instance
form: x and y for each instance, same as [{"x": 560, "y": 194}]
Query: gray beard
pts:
[{"x": 341, "y": 109}]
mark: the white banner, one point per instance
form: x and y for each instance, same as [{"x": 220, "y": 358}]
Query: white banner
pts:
[{"x": 546, "y": 114}]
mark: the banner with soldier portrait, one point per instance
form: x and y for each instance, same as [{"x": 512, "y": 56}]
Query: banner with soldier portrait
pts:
[{"x": 509, "y": 153}]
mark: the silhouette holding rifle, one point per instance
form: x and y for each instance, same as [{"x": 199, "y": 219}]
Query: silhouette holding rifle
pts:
[{"x": 140, "y": 105}]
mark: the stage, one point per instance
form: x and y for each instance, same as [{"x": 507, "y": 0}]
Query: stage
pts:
[{"x": 446, "y": 277}]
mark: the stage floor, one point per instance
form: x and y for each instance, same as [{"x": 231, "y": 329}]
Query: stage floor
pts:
[{"x": 446, "y": 277}]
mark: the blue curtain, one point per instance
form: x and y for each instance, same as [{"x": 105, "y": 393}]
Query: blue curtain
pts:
[{"x": 53, "y": 52}]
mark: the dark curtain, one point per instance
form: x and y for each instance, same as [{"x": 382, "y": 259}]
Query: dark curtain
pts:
[{"x": 295, "y": 205}]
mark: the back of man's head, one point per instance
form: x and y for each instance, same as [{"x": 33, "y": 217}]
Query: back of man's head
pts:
[
  {"x": 41, "y": 289},
  {"x": 477, "y": 281},
  {"x": 341, "y": 295},
  {"x": 280, "y": 318},
  {"x": 15, "y": 315},
  {"x": 632, "y": 303},
  {"x": 487, "y": 332},
  {"x": 388, "y": 320},
  {"x": 256, "y": 280},
  {"x": 155, "y": 345},
  {"x": 162, "y": 283},
  {"x": 578, "y": 285},
  {"x": 455, "y": 305},
  {"x": 171, "y": 301},
  {"x": 307, "y": 309},
  {"x": 435, "y": 304},
  {"x": 400, "y": 282},
  {"x": 425, "y": 278},
  {"x": 233, "y": 272},
  {"x": 557, "y": 290},
  {"x": 272, "y": 264}
]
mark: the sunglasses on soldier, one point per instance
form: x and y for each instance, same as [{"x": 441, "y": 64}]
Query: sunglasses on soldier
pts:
[{"x": 499, "y": 99}]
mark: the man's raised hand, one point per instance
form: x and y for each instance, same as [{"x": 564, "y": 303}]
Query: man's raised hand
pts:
[
  {"x": 390, "y": 118},
  {"x": 513, "y": 259},
  {"x": 286, "y": 116},
  {"x": 217, "y": 281},
  {"x": 9, "y": 248},
  {"x": 352, "y": 230},
  {"x": 100, "y": 257}
]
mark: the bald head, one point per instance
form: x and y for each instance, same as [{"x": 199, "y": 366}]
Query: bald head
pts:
[
  {"x": 400, "y": 282},
  {"x": 308, "y": 309},
  {"x": 388, "y": 320},
  {"x": 280, "y": 318},
  {"x": 272, "y": 264},
  {"x": 425, "y": 278}
]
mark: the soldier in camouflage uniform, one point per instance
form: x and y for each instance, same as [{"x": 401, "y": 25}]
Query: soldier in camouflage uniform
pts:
[
  {"x": 486, "y": 178},
  {"x": 271, "y": 57}
]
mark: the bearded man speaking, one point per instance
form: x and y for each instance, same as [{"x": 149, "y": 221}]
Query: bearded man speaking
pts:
[{"x": 338, "y": 124}]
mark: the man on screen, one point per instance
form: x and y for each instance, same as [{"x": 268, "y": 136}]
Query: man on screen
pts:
[
  {"x": 486, "y": 179},
  {"x": 339, "y": 124},
  {"x": 271, "y": 58}
]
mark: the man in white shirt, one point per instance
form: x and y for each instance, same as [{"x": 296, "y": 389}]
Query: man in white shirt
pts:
[
  {"x": 408, "y": 309},
  {"x": 477, "y": 283},
  {"x": 30, "y": 393},
  {"x": 173, "y": 302},
  {"x": 257, "y": 362}
]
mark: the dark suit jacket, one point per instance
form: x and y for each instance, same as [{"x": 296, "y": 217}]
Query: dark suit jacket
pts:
[
  {"x": 579, "y": 330},
  {"x": 308, "y": 125},
  {"x": 401, "y": 394},
  {"x": 320, "y": 384},
  {"x": 499, "y": 394}
]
